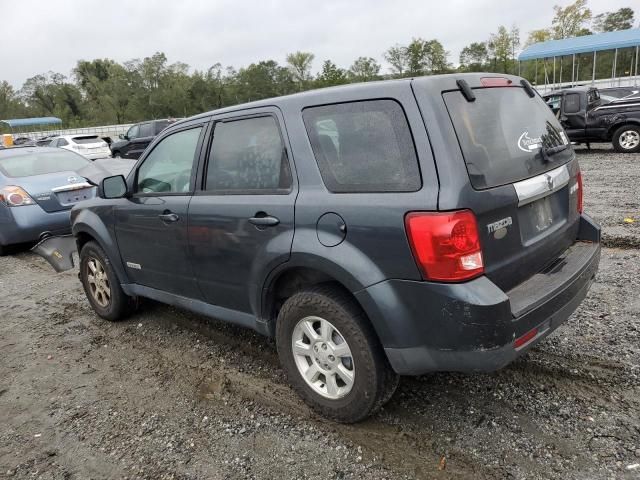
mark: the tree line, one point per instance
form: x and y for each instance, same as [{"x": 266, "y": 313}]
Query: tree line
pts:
[{"x": 103, "y": 91}]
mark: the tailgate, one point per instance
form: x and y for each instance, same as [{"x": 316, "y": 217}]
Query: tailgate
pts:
[{"x": 521, "y": 177}]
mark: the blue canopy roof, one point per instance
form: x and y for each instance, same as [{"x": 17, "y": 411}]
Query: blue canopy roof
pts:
[
  {"x": 584, "y": 44},
  {"x": 27, "y": 122}
]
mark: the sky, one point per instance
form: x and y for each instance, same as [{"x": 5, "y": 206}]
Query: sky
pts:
[{"x": 39, "y": 36}]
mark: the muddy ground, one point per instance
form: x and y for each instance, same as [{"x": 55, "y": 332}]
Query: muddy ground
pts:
[{"x": 170, "y": 394}]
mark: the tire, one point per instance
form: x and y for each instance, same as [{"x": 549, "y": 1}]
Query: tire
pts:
[
  {"x": 373, "y": 381},
  {"x": 3, "y": 250},
  {"x": 626, "y": 139},
  {"x": 116, "y": 154},
  {"x": 115, "y": 305}
]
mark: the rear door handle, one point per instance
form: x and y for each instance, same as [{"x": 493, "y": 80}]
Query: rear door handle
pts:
[
  {"x": 169, "y": 217},
  {"x": 264, "y": 221}
]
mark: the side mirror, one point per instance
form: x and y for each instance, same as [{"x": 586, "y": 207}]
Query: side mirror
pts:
[
  {"x": 113, "y": 187},
  {"x": 122, "y": 136}
]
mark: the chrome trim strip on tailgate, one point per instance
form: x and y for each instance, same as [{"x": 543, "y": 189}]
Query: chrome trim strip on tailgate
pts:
[
  {"x": 533, "y": 188},
  {"x": 71, "y": 187}
]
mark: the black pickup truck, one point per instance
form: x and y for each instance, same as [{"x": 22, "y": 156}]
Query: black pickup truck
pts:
[{"x": 587, "y": 118}]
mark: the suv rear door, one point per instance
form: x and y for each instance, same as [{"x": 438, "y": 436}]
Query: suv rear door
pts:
[
  {"x": 495, "y": 155},
  {"x": 241, "y": 223}
]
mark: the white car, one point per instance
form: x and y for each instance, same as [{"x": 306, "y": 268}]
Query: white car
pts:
[{"x": 89, "y": 146}]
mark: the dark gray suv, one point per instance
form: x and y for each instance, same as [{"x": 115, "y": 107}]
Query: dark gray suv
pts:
[{"x": 375, "y": 230}]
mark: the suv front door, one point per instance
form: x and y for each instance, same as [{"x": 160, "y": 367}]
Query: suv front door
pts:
[
  {"x": 151, "y": 227},
  {"x": 241, "y": 224}
]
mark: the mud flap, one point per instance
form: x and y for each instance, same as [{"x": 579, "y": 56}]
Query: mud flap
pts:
[{"x": 58, "y": 251}]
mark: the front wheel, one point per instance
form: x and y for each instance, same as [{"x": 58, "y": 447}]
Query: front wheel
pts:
[
  {"x": 331, "y": 355},
  {"x": 116, "y": 155},
  {"x": 626, "y": 139},
  {"x": 101, "y": 284}
]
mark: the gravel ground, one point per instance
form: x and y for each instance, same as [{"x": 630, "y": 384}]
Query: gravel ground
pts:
[{"x": 169, "y": 394}]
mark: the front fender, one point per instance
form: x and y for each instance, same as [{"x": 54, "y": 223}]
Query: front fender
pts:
[{"x": 86, "y": 221}]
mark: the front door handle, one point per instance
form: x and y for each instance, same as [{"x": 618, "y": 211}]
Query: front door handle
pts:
[
  {"x": 264, "y": 220},
  {"x": 168, "y": 217}
]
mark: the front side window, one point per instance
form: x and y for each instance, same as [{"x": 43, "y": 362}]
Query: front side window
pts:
[
  {"x": 133, "y": 132},
  {"x": 363, "y": 147},
  {"x": 168, "y": 167},
  {"x": 62, "y": 142},
  {"x": 248, "y": 155}
]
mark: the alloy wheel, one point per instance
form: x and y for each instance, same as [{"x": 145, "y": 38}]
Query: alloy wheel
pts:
[
  {"x": 98, "y": 282},
  {"x": 629, "y": 139},
  {"x": 323, "y": 357}
]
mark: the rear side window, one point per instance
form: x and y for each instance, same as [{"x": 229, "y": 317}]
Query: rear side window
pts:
[
  {"x": 572, "y": 103},
  {"x": 161, "y": 125},
  {"x": 502, "y": 134},
  {"x": 363, "y": 147},
  {"x": 248, "y": 155},
  {"x": 146, "y": 130}
]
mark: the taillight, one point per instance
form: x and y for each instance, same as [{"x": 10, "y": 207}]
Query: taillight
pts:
[
  {"x": 15, "y": 196},
  {"x": 579, "y": 202},
  {"x": 446, "y": 245}
]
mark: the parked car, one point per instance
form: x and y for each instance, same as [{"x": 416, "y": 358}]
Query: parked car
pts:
[
  {"x": 38, "y": 187},
  {"x": 375, "y": 230},
  {"x": 137, "y": 138},
  {"x": 586, "y": 118},
  {"x": 45, "y": 141},
  {"x": 90, "y": 147}
]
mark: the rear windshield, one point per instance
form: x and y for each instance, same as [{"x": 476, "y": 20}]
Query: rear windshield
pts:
[
  {"x": 40, "y": 163},
  {"x": 87, "y": 139},
  {"x": 502, "y": 135}
]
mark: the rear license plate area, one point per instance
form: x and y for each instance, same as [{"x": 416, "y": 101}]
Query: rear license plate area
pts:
[
  {"x": 74, "y": 196},
  {"x": 538, "y": 219}
]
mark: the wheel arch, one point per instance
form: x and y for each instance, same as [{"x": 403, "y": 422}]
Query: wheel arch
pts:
[
  {"x": 295, "y": 276},
  {"x": 87, "y": 226},
  {"x": 627, "y": 121}
]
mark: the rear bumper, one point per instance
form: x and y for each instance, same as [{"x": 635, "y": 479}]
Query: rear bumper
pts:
[
  {"x": 29, "y": 222},
  {"x": 426, "y": 327}
]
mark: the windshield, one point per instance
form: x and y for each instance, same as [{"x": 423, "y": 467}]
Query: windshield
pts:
[
  {"x": 504, "y": 135},
  {"x": 41, "y": 162}
]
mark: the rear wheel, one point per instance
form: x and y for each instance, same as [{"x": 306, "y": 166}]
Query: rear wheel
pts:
[
  {"x": 101, "y": 284},
  {"x": 626, "y": 139},
  {"x": 116, "y": 155},
  {"x": 332, "y": 356}
]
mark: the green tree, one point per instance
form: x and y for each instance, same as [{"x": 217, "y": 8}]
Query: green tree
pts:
[
  {"x": 397, "y": 58},
  {"x": 300, "y": 66},
  {"x": 331, "y": 75},
  {"x": 538, "y": 36},
  {"x": 420, "y": 57},
  {"x": 364, "y": 69},
  {"x": 502, "y": 48},
  {"x": 621, "y": 19},
  {"x": 474, "y": 57},
  {"x": 571, "y": 20}
]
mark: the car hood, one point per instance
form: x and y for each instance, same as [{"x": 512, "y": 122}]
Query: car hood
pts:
[{"x": 117, "y": 144}]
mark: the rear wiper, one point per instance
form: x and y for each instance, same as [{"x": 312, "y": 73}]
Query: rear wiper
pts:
[{"x": 547, "y": 152}]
